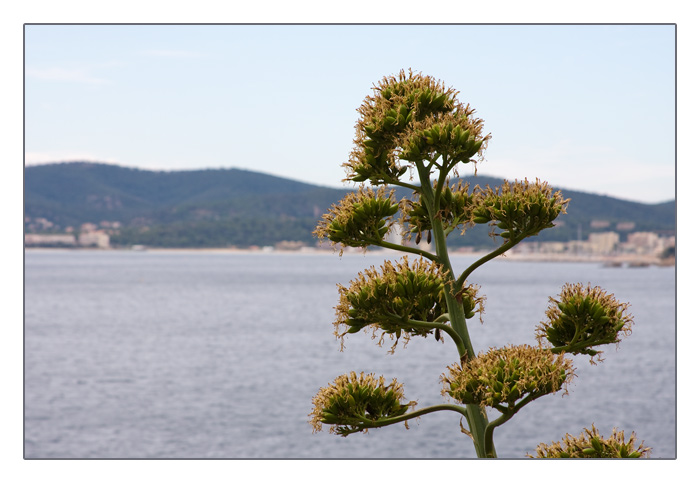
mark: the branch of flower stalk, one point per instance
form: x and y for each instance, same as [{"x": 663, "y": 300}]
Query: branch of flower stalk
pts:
[
  {"x": 368, "y": 423},
  {"x": 452, "y": 226},
  {"x": 582, "y": 347},
  {"x": 438, "y": 326},
  {"x": 507, "y": 414},
  {"x": 499, "y": 251},
  {"x": 439, "y": 185},
  {"x": 575, "y": 349},
  {"x": 571, "y": 345},
  {"x": 405, "y": 185},
  {"x": 432, "y": 162},
  {"x": 407, "y": 249},
  {"x": 476, "y": 416}
]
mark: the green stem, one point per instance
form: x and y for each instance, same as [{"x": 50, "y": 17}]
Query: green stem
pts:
[
  {"x": 572, "y": 345},
  {"x": 455, "y": 309},
  {"x": 405, "y": 185},
  {"x": 438, "y": 189},
  {"x": 435, "y": 325},
  {"x": 413, "y": 414},
  {"x": 476, "y": 416},
  {"x": 583, "y": 347},
  {"x": 407, "y": 249},
  {"x": 499, "y": 251},
  {"x": 488, "y": 435}
]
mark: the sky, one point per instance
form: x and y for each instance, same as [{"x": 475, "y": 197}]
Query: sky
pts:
[{"x": 584, "y": 107}]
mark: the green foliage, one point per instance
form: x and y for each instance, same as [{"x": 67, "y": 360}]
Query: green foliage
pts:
[
  {"x": 238, "y": 232},
  {"x": 69, "y": 194},
  {"x": 206, "y": 208}
]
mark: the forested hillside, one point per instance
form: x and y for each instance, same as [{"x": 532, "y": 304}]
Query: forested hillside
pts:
[{"x": 233, "y": 207}]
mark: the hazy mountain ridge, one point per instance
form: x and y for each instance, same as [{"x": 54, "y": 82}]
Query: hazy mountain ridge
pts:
[{"x": 219, "y": 207}]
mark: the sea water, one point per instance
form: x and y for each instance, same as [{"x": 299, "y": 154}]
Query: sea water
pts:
[{"x": 189, "y": 354}]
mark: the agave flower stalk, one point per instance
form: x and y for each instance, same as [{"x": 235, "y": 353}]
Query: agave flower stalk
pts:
[
  {"x": 476, "y": 416},
  {"x": 414, "y": 126}
]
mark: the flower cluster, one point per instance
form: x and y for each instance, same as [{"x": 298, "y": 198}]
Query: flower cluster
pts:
[
  {"x": 520, "y": 209},
  {"x": 456, "y": 133},
  {"x": 359, "y": 219},
  {"x": 354, "y": 402},
  {"x": 397, "y": 298},
  {"x": 411, "y": 117},
  {"x": 455, "y": 210},
  {"x": 582, "y": 318},
  {"x": 590, "y": 444},
  {"x": 502, "y": 378}
]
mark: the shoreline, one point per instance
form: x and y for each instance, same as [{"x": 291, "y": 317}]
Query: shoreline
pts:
[{"x": 616, "y": 260}]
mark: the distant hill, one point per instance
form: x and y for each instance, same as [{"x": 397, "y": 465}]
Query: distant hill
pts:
[{"x": 222, "y": 207}]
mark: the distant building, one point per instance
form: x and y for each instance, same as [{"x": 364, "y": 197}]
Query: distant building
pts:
[
  {"x": 97, "y": 239},
  {"x": 603, "y": 243},
  {"x": 644, "y": 242},
  {"x": 578, "y": 247},
  {"x": 552, "y": 247},
  {"x": 38, "y": 239}
]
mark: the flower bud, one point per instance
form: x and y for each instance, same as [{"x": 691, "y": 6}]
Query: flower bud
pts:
[
  {"x": 398, "y": 292},
  {"x": 359, "y": 219},
  {"x": 583, "y": 318},
  {"x": 521, "y": 208},
  {"x": 501, "y": 377},
  {"x": 589, "y": 444},
  {"x": 353, "y": 401}
]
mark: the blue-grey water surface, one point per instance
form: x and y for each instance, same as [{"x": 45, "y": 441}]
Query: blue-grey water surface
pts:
[{"x": 166, "y": 354}]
